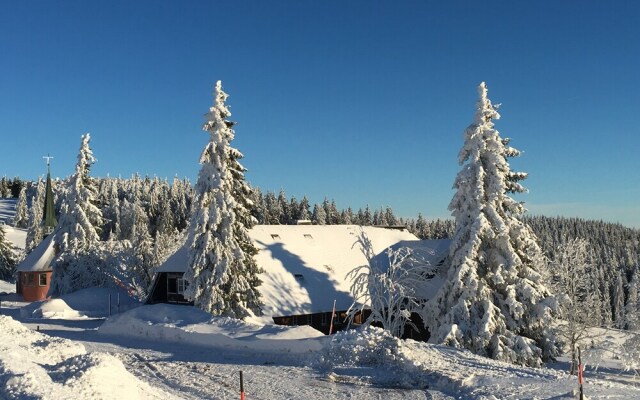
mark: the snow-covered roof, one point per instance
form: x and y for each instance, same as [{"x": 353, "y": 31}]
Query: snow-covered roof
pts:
[
  {"x": 40, "y": 258},
  {"x": 177, "y": 262},
  {"x": 305, "y": 266}
]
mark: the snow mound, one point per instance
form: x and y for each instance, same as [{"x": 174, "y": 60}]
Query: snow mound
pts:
[
  {"x": 83, "y": 304},
  {"x": 51, "y": 309},
  {"x": 373, "y": 357},
  {"x": 33, "y": 365},
  {"x": 189, "y": 325}
]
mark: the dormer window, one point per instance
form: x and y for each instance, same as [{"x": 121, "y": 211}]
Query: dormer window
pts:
[{"x": 275, "y": 236}]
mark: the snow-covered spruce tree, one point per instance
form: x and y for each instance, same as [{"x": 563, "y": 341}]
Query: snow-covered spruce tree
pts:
[
  {"x": 21, "y": 218},
  {"x": 8, "y": 257},
  {"x": 34, "y": 231},
  {"x": 319, "y": 216},
  {"x": 78, "y": 229},
  {"x": 222, "y": 271},
  {"x": 494, "y": 301},
  {"x": 632, "y": 307}
]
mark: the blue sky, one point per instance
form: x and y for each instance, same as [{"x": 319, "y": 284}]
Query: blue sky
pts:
[{"x": 360, "y": 101}]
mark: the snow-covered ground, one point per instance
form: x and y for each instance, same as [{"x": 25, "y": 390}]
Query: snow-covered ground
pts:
[{"x": 168, "y": 351}]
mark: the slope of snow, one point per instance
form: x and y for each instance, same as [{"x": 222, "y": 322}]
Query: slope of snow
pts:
[
  {"x": 34, "y": 365},
  {"x": 7, "y": 210},
  {"x": 16, "y": 236}
]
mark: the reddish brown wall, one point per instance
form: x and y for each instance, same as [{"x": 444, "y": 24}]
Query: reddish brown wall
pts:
[{"x": 31, "y": 290}]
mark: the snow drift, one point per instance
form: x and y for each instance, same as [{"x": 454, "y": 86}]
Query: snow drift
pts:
[{"x": 36, "y": 366}]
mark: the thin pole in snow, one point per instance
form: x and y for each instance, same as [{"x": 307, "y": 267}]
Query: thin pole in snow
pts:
[
  {"x": 241, "y": 387},
  {"x": 333, "y": 315},
  {"x": 118, "y": 302},
  {"x": 109, "y": 304},
  {"x": 580, "y": 380}
]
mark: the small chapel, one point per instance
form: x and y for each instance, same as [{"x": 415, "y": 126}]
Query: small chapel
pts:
[{"x": 34, "y": 272}]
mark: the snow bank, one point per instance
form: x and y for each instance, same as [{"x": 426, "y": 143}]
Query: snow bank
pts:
[
  {"x": 373, "y": 357},
  {"x": 189, "y": 325},
  {"x": 52, "y": 309},
  {"x": 7, "y": 287},
  {"x": 83, "y": 304},
  {"x": 33, "y": 365}
]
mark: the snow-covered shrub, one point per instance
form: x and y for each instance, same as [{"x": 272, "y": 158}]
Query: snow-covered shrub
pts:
[
  {"x": 371, "y": 347},
  {"x": 392, "y": 290}
]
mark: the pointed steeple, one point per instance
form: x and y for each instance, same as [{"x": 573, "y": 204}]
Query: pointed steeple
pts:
[{"x": 49, "y": 221}]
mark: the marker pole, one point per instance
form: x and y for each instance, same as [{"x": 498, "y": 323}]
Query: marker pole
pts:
[{"x": 241, "y": 387}]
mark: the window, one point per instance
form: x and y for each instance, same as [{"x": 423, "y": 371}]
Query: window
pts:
[
  {"x": 275, "y": 236},
  {"x": 31, "y": 279},
  {"x": 181, "y": 284},
  {"x": 173, "y": 283},
  {"x": 308, "y": 236},
  {"x": 309, "y": 319},
  {"x": 42, "y": 279},
  {"x": 324, "y": 319},
  {"x": 299, "y": 277}
]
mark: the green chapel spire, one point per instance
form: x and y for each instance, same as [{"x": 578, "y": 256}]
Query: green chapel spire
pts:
[{"x": 49, "y": 221}]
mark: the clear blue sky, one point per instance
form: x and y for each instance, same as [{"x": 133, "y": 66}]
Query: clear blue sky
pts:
[{"x": 361, "y": 101}]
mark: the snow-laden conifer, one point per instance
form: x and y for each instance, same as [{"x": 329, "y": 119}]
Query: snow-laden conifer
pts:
[
  {"x": 493, "y": 301},
  {"x": 8, "y": 257},
  {"x": 319, "y": 215},
  {"x": 632, "y": 307},
  {"x": 34, "y": 232},
  {"x": 21, "y": 218},
  {"x": 81, "y": 219},
  {"x": 222, "y": 272},
  {"x": 79, "y": 227}
]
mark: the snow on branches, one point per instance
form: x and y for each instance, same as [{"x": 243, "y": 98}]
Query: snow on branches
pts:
[
  {"x": 493, "y": 301},
  {"x": 222, "y": 272},
  {"x": 393, "y": 287}
]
